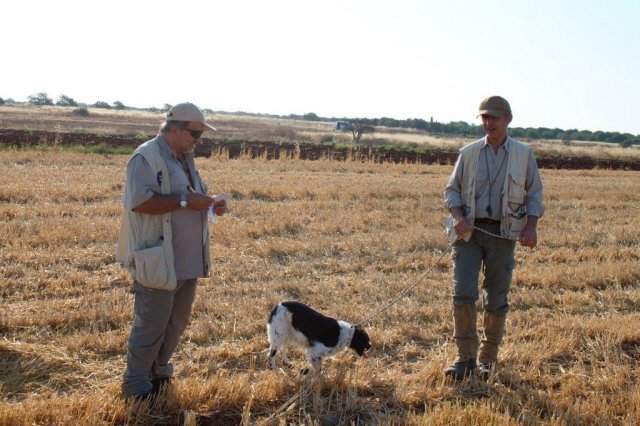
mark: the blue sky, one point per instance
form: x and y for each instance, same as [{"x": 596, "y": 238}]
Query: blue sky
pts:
[{"x": 566, "y": 64}]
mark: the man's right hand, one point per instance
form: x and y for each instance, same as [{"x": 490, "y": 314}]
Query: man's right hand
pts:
[
  {"x": 461, "y": 226},
  {"x": 460, "y": 223}
]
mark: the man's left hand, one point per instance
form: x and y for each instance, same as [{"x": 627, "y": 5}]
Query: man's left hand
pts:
[
  {"x": 529, "y": 235},
  {"x": 220, "y": 207}
]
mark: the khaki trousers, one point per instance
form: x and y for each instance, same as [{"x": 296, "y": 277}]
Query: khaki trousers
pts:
[
  {"x": 160, "y": 319},
  {"x": 495, "y": 257}
]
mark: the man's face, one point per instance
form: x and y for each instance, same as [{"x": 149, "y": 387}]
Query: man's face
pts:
[
  {"x": 496, "y": 127},
  {"x": 187, "y": 138}
]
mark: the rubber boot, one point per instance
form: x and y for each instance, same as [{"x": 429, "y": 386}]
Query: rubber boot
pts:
[
  {"x": 466, "y": 337},
  {"x": 493, "y": 333}
]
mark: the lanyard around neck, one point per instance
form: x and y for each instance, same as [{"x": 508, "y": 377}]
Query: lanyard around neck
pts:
[{"x": 492, "y": 181}]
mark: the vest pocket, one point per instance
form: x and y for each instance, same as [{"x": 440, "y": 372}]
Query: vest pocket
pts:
[
  {"x": 151, "y": 268},
  {"x": 516, "y": 188},
  {"x": 516, "y": 209},
  {"x": 516, "y": 221}
]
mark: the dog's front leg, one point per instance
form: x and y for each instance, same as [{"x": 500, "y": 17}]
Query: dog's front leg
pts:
[
  {"x": 271, "y": 361},
  {"x": 285, "y": 360},
  {"x": 315, "y": 360}
]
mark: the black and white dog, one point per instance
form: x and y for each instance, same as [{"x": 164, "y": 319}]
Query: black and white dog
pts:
[{"x": 294, "y": 323}]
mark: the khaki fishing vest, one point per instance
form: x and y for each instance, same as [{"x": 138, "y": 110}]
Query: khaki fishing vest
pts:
[
  {"x": 514, "y": 210},
  {"x": 145, "y": 241}
]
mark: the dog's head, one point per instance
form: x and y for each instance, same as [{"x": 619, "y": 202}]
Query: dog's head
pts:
[{"x": 360, "y": 341}]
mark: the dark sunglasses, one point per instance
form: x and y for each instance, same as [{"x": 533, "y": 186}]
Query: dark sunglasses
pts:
[{"x": 194, "y": 133}]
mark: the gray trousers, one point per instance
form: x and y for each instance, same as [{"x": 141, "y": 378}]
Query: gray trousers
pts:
[
  {"x": 160, "y": 319},
  {"x": 495, "y": 256}
]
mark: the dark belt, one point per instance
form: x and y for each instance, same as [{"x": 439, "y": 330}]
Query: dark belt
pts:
[{"x": 487, "y": 221}]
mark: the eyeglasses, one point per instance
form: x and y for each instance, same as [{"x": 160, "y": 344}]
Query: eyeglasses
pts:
[{"x": 194, "y": 133}]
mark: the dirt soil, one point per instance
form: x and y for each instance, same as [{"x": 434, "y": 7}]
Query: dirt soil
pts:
[{"x": 273, "y": 150}]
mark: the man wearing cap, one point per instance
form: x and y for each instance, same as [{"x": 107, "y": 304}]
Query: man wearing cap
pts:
[
  {"x": 494, "y": 195},
  {"x": 164, "y": 243}
]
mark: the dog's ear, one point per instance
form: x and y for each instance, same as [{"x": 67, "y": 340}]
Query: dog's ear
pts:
[
  {"x": 360, "y": 329},
  {"x": 360, "y": 341}
]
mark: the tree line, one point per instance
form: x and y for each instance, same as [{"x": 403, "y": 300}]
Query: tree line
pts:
[
  {"x": 464, "y": 129},
  {"x": 461, "y": 128},
  {"x": 453, "y": 128}
]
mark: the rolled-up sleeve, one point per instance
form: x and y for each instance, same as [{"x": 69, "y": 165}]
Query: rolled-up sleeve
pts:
[
  {"x": 533, "y": 186},
  {"x": 452, "y": 197},
  {"x": 141, "y": 183}
]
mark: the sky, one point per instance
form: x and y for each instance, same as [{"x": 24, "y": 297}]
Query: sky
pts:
[{"x": 565, "y": 64}]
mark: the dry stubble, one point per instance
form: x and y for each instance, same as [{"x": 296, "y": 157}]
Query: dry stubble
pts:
[{"x": 345, "y": 238}]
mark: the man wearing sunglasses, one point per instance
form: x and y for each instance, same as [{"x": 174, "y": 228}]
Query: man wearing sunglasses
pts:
[{"x": 164, "y": 243}]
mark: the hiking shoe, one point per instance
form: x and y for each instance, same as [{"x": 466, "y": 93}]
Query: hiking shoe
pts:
[
  {"x": 486, "y": 369},
  {"x": 461, "y": 369}
]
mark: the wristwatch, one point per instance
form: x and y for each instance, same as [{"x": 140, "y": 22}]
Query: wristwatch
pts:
[{"x": 183, "y": 201}]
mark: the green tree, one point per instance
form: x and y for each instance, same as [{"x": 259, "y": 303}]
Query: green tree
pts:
[
  {"x": 118, "y": 105},
  {"x": 532, "y": 133},
  {"x": 102, "y": 104},
  {"x": 310, "y": 116},
  {"x": 40, "y": 99},
  {"x": 583, "y": 135},
  {"x": 65, "y": 100}
]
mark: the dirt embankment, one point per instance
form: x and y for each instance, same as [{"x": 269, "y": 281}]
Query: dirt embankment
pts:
[{"x": 274, "y": 150}]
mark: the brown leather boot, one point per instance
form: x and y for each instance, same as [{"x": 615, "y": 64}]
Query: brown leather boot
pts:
[
  {"x": 466, "y": 337},
  {"x": 493, "y": 333}
]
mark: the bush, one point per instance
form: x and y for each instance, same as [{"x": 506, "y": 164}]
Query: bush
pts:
[{"x": 82, "y": 111}]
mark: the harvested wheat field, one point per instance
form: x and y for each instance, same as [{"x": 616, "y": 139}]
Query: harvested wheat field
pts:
[{"x": 345, "y": 238}]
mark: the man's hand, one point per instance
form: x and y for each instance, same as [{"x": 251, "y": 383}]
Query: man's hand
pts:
[
  {"x": 529, "y": 235},
  {"x": 460, "y": 223},
  {"x": 220, "y": 207}
]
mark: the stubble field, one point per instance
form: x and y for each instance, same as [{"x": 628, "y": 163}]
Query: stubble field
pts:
[{"x": 345, "y": 238}]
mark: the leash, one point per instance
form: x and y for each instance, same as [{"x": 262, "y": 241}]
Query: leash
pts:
[
  {"x": 406, "y": 290},
  {"x": 492, "y": 234}
]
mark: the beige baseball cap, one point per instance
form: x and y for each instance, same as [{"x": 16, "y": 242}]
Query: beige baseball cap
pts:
[
  {"x": 187, "y": 111},
  {"x": 496, "y": 106}
]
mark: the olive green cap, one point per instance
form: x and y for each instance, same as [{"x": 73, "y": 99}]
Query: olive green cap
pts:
[{"x": 496, "y": 106}]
